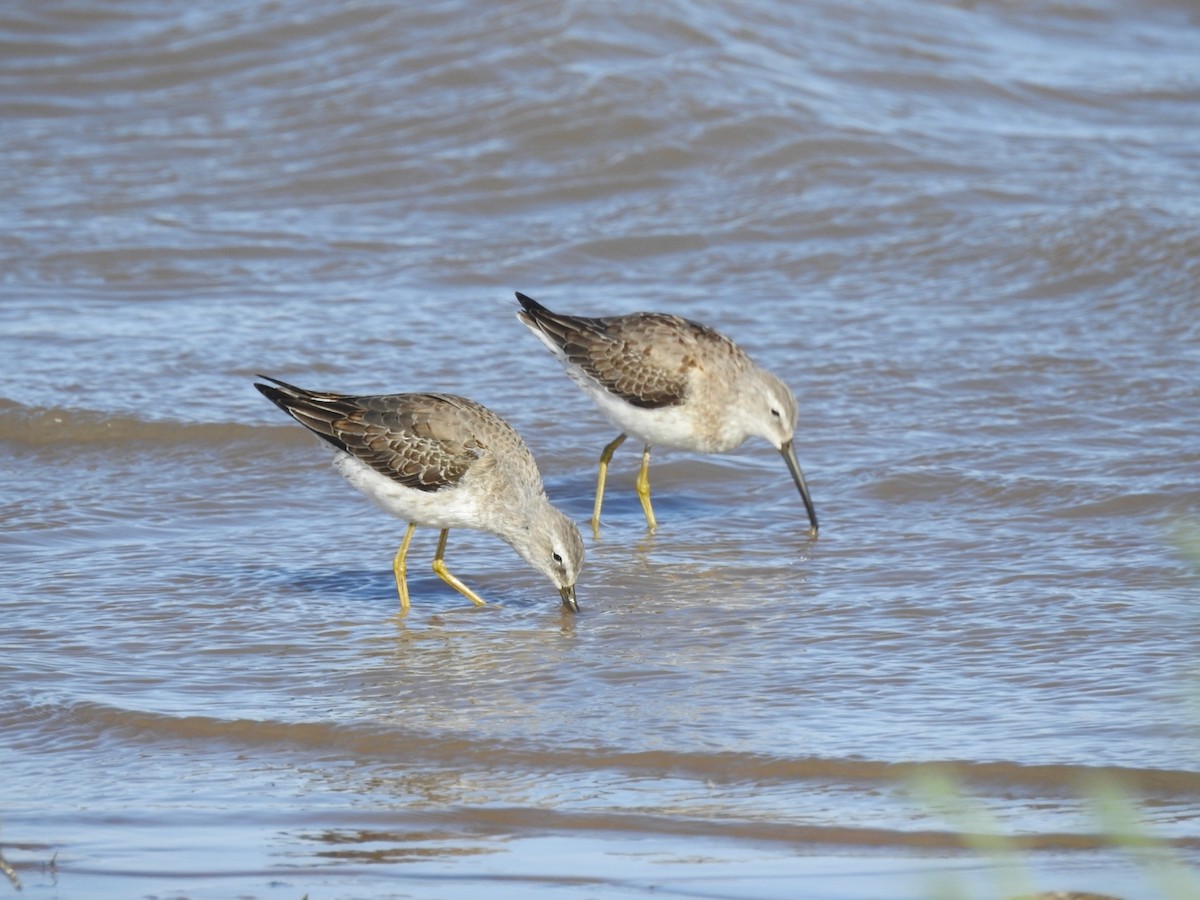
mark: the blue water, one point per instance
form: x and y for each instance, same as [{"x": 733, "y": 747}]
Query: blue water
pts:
[{"x": 965, "y": 234}]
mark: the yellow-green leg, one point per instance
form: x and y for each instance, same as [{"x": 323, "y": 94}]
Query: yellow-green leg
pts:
[
  {"x": 439, "y": 566},
  {"x": 400, "y": 567},
  {"x": 605, "y": 459},
  {"x": 643, "y": 489}
]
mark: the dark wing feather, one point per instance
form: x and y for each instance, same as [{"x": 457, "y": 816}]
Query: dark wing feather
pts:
[
  {"x": 644, "y": 358},
  {"x": 405, "y": 437}
]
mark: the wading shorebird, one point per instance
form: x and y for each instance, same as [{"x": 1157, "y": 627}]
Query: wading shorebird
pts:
[
  {"x": 445, "y": 462},
  {"x": 669, "y": 382}
]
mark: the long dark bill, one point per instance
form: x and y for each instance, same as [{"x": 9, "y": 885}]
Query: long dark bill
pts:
[
  {"x": 789, "y": 456},
  {"x": 568, "y": 598}
]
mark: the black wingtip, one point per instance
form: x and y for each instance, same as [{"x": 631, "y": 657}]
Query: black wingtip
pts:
[
  {"x": 279, "y": 388},
  {"x": 531, "y": 305},
  {"x": 277, "y": 383},
  {"x": 272, "y": 393},
  {"x": 279, "y": 392}
]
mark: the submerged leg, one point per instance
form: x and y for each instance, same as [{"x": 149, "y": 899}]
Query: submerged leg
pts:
[
  {"x": 440, "y": 568},
  {"x": 643, "y": 489},
  {"x": 400, "y": 569},
  {"x": 605, "y": 458}
]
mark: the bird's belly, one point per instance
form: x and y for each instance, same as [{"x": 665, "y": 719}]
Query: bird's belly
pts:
[
  {"x": 450, "y": 507},
  {"x": 678, "y": 427}
]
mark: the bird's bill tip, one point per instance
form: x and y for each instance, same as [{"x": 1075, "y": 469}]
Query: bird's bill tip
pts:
[
  {"x": 568, "y": 598},
  {"x": 789, "y": 456}
]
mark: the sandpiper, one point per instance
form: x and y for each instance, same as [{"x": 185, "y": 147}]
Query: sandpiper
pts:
[
  {"x": 441, "y": 461},
  {"x": 670, "y": 382}
]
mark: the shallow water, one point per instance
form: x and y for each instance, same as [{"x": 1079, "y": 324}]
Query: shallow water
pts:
[{"x": 966, "y": 234}]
